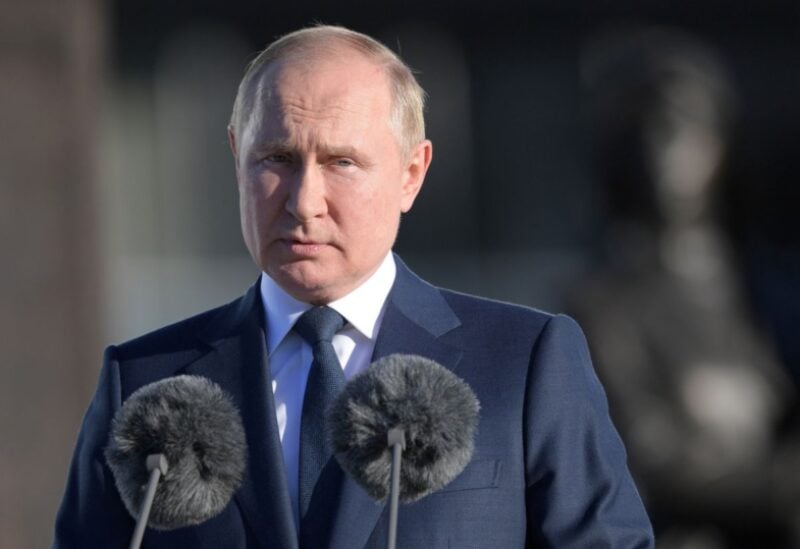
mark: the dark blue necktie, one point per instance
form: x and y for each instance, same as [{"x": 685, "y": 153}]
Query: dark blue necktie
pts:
[{"x": 326, "y": 379}]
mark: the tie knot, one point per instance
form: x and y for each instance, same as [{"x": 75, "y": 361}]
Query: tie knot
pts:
[{"x": 318, "y": 324}]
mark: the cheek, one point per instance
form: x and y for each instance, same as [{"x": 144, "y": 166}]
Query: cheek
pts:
[
  {"x": 258, "y": 203},
  {"x": 248, "y": 212},
  {"x": 372, "y": 219}
]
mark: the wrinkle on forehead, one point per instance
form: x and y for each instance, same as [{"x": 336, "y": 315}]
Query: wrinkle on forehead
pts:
[
  {"x": 289, "y": 93},
  {"x": 360, "y": 84}
]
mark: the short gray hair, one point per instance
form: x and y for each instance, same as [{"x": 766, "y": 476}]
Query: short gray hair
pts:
[{"x": 408, "y": 97}]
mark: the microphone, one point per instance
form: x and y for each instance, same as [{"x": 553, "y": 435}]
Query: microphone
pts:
[
  {"x": 436, "y": 410},
  {"x": 192, "y": 423}
]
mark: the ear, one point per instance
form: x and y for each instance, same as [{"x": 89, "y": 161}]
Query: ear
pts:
[
  {"x": 418, "y": 162},
  {"x": 232, "y": 143}
]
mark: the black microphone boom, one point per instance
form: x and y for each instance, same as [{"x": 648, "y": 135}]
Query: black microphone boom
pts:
[
  {"x": 436, "y": 410},
  {"x": 194, "y": 424}
]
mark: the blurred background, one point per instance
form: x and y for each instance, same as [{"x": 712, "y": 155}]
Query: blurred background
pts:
[{"x": 633, "y": 166}]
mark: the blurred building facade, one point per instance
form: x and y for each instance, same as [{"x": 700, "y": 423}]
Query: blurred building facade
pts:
[{"x": 50, "y": 327}]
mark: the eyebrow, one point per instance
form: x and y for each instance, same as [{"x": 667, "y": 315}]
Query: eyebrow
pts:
[
  {"x": 275, "y": 144},
  {"x": 329, "y": 150},
  {"x": 345, "y": 150}
]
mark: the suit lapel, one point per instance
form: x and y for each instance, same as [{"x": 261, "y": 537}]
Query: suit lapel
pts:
[
  {"x": 342, "y": 515},
  {"x": 241, "y": 368}
]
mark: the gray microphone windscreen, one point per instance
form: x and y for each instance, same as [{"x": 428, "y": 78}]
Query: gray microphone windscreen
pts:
[
  {"x": 436, "y": 408},
  {"x": 194, "y": 423}
]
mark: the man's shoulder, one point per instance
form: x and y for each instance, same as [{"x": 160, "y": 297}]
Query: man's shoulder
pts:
[
  {"x": 468, "y": 308},
  {"x": 473, "y": 301},
  {"x": 184, "y": 336},
  {"x": 488, "y": 311}
]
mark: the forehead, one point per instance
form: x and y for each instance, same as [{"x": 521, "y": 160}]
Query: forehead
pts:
[{"x": 335, "y": 82}]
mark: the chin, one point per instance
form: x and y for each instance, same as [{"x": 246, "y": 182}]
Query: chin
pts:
[{"x": 303, "y": 285}]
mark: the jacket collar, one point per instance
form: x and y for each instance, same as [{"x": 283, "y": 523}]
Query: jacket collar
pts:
[
  {"x": 241, "y": 367},
  {"x": 341, "y": 514}
]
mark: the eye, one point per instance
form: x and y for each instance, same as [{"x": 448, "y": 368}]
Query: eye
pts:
[
  {"x": 344, "y": 162},
  {"x": 278, "y": 158}
]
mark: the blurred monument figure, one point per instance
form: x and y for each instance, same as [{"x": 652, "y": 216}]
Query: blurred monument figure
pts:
[{"x": 693, "y": 385}]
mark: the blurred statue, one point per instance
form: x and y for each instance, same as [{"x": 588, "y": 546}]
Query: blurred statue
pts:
[{"x": 694, "y": 387}]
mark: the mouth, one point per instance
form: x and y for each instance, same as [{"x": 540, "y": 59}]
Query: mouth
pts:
[{"x": 303, "y": 248}]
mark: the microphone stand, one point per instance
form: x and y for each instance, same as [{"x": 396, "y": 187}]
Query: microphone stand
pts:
[
  {"x": 157, "y": 466},
  {"x": 396, "y": 438}
]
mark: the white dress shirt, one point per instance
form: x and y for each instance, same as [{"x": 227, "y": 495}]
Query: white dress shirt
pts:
[{"x": 290, "y": 357}]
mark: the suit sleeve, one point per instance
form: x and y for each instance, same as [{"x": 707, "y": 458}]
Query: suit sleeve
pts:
[
  {"x": 579, "y": 492},
  {"x": 92, "y": 514}
]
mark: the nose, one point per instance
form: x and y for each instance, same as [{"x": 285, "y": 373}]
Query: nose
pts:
[{"x": 307, "y": 199}]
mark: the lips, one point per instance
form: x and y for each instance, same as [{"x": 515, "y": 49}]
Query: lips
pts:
[{"x": 305, "y": 248}]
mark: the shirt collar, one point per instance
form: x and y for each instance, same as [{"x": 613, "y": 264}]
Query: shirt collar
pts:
[{"x": 362, "y": 307}]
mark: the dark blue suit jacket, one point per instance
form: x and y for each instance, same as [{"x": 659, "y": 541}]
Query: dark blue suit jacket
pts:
[{"x": 548, "y": 470}]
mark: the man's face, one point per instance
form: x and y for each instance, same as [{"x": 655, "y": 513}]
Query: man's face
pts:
[{"x": 322, "y": 177}]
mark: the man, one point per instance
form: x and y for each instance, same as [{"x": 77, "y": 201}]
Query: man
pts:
[{"x": 328, "y": 139}]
